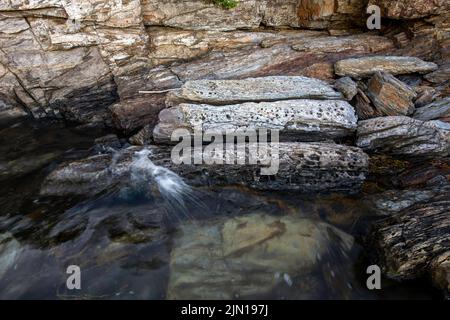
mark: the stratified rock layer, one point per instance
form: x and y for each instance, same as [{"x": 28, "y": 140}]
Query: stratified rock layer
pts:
[
  {"x": 307, "y": 167},
  {"x": 367, "y": 66},
  {"x": 253, "y": 89},
  {"x": 403, "y": 136}
]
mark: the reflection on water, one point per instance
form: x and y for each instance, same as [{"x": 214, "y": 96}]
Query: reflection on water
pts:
[{"x": 159, "y": 238}]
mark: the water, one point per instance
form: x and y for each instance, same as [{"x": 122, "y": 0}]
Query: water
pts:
[{"x": 125, "y": 239}]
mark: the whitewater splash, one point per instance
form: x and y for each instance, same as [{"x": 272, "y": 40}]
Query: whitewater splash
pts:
[{"x": 145, "y": 176}]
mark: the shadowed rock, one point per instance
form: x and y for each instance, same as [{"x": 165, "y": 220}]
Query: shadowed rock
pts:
[{"x": 438, "y": 110}]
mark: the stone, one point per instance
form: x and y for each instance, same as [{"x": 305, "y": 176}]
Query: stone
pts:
[
  {"x": 424, "y": 175},
  {"x": 440, "y": 273},
  {"x": 403, "y": 136},
  {"x": 438, "y": 110},
  {"x": 224, "y": 92},
  {"x": 301, "y": 120},
  {"x": 390, "y": 96},
  {"x": 304, "y": 167},
  {"x": 439, "y": 76},
  {"x": 408, "y": 242},
  {"x": 143, "y": 137},
  {"x": 367, "y": 66},
  {"x": 347, "y": 87},
  {"x": 425, "y": 95},
  {"x": 249, "y": 256},
  {"x": 399, "y": 9},
  {"x": 363, "y": 106},
  {"x": 10, "y": 250}
]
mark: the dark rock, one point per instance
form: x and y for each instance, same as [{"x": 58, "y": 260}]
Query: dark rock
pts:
[{"x": 438, "y": 110}]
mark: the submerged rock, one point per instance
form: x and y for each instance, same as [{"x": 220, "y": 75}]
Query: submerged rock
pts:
[
  {"x": 306, "y": 167},
  {"x": 301, "y": 120},
  {"x": 9, "y": 252},
  {"x": 251, "y": 255},
  {"x": 403, "y": 136},
  {"x": 367, "y": 66}
]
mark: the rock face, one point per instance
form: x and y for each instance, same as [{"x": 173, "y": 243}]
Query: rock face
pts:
[
  {"x": 403, "y": 136},
  {"x": 390, "y": 96},
  {"x": 367, "y": 66},
  {"x": 408, "y": 242},
  {"x": 398, "y": 9},
  {"x": 201, "y": 15},
  {"x": 301, "y": 120},
  {"x": 251, "y": 255},
  {"x": 306, "y": 167},
  {"x": 223, "y": 92}
]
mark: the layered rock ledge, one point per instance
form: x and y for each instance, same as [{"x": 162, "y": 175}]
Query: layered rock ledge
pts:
[{"x": 305, "y": 167}]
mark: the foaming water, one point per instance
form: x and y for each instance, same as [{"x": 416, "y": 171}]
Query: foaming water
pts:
[{"x": 145, "y": 177}]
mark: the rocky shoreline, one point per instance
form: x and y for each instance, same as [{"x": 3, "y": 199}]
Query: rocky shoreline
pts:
[{"x": 341, "y": 97}]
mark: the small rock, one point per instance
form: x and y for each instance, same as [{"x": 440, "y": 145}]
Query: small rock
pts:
[
  {"x": 438, "y": 110},
  {"x": 440, "y": 272},
  {"x": 390, "y": 96},
  {"x": 425, "y": 95},
  {"x": 439, "y": 76},
  {"x": 347, "y": 87},
  {"x": 366, "y": 66},
  {"x": 143, "y": 137}
]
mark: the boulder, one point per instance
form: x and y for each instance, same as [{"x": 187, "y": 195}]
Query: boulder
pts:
[
  {"x": 301, "y": 120},
  {"x": 305, "y": 167},
  {"x": 390, "y": 96},
  {"x": 403, "y": 136},
  {"x": 367, "y": 66},
  {"x": 249, "y": 256}
]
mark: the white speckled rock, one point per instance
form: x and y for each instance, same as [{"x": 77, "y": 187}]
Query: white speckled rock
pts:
[
  {"x": 367, "y": 66},
  {"x": 302, "y": 120}
]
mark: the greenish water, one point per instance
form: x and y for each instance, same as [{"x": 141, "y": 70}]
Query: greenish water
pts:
[{"x": 125, "y": 245}]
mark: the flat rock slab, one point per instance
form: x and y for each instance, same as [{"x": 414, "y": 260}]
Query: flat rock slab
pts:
[
  {"x": 404, "y": 136},
  {"x": 253, "y": 89},
  {"x": 251, "y": 255},
  {"x": 300, "y": 120},
  {"x": 306, "y": 167},
  {"x": 366, "y": 66}
]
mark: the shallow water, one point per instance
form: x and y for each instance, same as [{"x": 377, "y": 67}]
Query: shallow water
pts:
[{"x": 124, "y": 244}]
